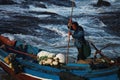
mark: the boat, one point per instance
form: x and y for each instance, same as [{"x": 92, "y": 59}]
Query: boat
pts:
[{"x": 28, "y": 68}]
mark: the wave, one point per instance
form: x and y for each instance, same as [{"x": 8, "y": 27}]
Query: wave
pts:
[{"x": 53, "y": 37}]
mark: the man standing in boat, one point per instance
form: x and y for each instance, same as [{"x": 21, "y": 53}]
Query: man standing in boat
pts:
[{"x": 80, "y": 43}]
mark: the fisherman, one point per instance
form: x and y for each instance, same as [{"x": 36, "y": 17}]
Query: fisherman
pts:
[{"x": 79, "y": 41}]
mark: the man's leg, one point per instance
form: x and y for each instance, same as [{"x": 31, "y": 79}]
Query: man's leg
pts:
[{"x": 80, "y": 54}]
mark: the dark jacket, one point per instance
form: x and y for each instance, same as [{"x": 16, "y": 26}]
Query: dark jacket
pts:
[{"x": 78, "y": 36}]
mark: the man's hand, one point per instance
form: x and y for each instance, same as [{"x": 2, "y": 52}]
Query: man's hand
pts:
[
  {"x": 69, "y": 33},
  {"x": 70, "y": 23}
]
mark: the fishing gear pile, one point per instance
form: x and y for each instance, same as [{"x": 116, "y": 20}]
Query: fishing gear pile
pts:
[{"x": 47, "y": 58}]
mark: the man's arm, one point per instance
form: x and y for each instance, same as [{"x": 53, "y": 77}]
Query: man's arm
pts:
[{"x": 78, "y": 35}]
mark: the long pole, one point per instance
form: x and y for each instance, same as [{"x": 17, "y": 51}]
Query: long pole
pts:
[
  {"x": 72, "y": 9},
  {"x": 23, "y": 53},
  {"x": 68, "y": 34}
]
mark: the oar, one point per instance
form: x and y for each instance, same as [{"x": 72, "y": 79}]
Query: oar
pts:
[
  {"x": 26, "y": 54},
  {"x": 99, "y": 51},
  {"x": 107, "y": 45}
]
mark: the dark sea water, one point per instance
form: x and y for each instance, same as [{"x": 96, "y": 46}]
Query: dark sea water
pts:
[{"x": 46, "y": 28}]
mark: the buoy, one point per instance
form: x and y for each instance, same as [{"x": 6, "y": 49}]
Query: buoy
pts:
[
  {"x": 61, "y": 58},
  {"x": 55, "y": 63},
  {"x": 45, "y": 53}
]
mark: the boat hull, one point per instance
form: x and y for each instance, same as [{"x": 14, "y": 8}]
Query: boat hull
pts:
[
  {"x": 19, "y": 76},
  {"x": 31, "y": 74},
  {"x": 73, "y": 71},
  {"x": 34, "y": 71}
]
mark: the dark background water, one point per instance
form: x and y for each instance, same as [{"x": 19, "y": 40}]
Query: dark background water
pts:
[{"x": 43, "y": 23}]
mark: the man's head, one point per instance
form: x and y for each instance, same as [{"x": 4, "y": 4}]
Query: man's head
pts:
[{"x": 74, "y": 25}]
